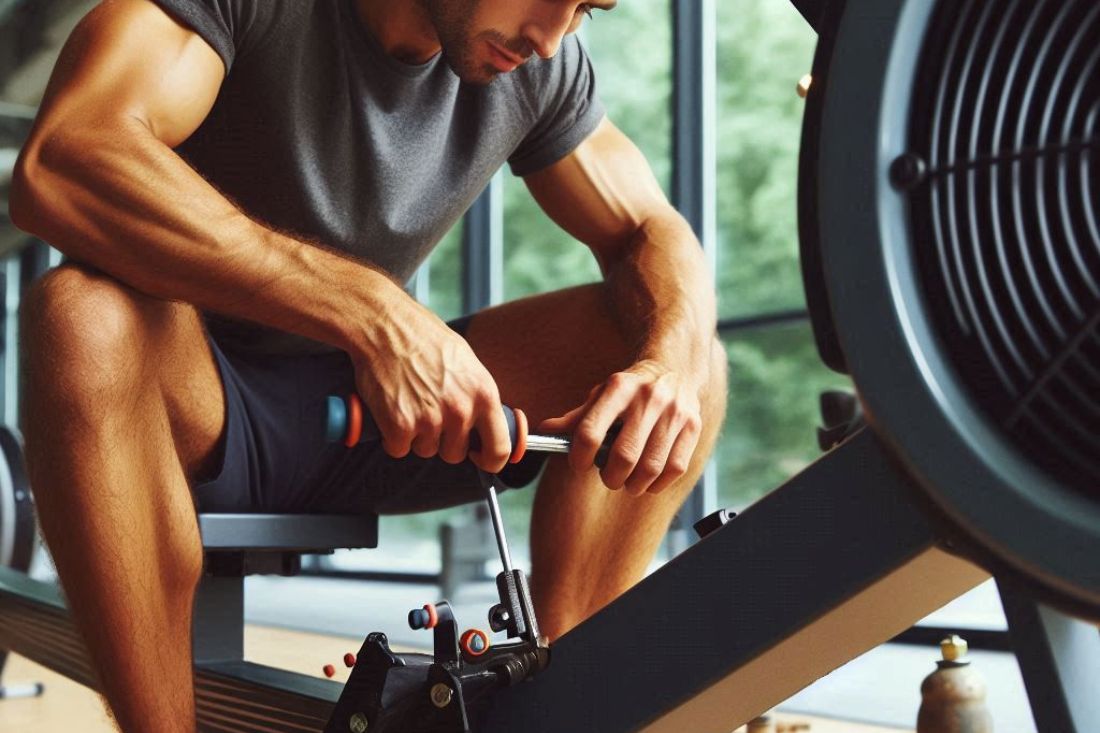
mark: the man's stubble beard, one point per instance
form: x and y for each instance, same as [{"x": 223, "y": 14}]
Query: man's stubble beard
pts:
[{"x": 453, "y": 21}]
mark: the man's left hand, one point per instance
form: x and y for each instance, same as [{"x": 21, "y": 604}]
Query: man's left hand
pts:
[{"x": 659, "y": 411}]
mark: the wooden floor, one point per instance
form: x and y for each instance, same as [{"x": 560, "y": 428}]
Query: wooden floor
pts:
[{"x": 66, "y": 706}]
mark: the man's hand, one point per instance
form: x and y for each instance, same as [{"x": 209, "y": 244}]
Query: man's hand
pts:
[
  {"x": 659, "y": 410},
  {"x": 427, "y": 390}
]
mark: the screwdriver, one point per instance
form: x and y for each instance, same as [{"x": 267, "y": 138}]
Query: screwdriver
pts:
[{"x": 347, "y": 421}]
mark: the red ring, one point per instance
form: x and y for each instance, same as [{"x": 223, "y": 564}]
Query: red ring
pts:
[
  {"x": 464, "y": 641},
  {"x": 433, "y": 616},
  {"x": 355, "y": 421},
  {"x": 521, "y": 436}
]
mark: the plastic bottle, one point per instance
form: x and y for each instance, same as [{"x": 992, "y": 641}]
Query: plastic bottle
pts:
[{"x": 953, "y": 697}]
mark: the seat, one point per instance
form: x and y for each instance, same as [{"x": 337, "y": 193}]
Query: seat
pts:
[{"x": 236, "y": 545}]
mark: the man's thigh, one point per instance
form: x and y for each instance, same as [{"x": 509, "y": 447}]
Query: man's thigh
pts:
[{"x": 548, "y": 351}]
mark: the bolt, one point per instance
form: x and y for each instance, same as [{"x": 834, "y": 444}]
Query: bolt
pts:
[
  {"x": 908, "y": 171},
  {"x": 358, "y": 723},
  {"x": 442, "y": 695}
]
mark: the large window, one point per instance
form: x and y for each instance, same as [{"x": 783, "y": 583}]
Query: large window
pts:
[
  {"x": 763, "y": 48},
  {"x": 631, "y": 51},
  {"x": 775, "y": 379}
]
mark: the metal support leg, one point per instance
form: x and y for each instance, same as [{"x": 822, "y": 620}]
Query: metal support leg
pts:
[
  {"x": 1059, "y": 659},
  {"x": 218, "y": 620}
]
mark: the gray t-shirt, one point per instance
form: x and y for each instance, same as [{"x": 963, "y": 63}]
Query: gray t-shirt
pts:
[{"x": 318, "y": 133}]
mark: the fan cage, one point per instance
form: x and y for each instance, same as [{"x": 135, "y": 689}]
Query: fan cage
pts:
[{"x": 1004, "y": 193}]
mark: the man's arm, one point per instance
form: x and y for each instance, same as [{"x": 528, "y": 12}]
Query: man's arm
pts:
[
  {"x": 606, "y": 196},
  {"x": 98, "y": 179}
]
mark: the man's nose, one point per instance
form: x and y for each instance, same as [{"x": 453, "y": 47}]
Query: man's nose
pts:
[{"x": 545, "y": 33}]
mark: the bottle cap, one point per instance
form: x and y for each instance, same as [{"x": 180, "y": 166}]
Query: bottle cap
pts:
[{"x": 953, "y": 648}]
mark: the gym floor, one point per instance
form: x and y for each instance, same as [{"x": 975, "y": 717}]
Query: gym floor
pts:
[{"x": 66, "y": 706}]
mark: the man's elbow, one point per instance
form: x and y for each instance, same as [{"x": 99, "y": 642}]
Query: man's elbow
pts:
[
  {"x": 44, "y": 167},
  {"x": 23, "y": 198}
]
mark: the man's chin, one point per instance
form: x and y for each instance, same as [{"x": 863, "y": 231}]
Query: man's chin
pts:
[
  {"x": 473, "y": 74},
  {"x": 480, "y": 77}
]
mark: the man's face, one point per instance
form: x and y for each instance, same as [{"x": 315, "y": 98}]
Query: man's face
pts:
[{"x": 482, "y": 39}]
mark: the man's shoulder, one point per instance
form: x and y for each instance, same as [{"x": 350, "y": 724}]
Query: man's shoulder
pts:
[{"x": 235, "y": 26}]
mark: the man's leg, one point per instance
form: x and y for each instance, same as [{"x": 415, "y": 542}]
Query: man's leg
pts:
[
  {"x": 122, "y": 402},
  {"x": 588, "y": 544}
]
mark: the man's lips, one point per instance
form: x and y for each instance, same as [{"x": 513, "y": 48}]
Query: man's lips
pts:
[{"x": 502, "y": 59}]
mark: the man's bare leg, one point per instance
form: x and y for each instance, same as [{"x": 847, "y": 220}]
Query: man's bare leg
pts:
[
  {"x": 122, "y": 403},
  {"x": 588, "y": 544}
]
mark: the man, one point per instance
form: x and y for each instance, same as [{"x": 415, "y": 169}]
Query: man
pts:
[{"x": 241, "y": 187}]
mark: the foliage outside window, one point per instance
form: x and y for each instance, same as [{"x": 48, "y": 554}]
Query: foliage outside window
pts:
[
  {"x": 764, "y": 47},
  {"x": 631, "y": 51},
  {"x": 775, "y": 372}
]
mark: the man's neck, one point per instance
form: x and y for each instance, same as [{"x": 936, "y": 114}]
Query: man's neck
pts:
[{"x": 403, "y": 28}]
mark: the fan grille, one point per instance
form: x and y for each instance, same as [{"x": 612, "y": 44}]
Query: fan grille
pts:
[{"x": 1004, "y": 193}]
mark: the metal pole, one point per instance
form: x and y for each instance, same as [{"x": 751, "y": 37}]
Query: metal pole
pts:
[
  {"x": 1059, "y": 659},
  {"x": 422, "y": 283},
  {"x": 693, "y": 184},
  {"x": 12, "y": 276},
  {"x": 483, "y": 249}
]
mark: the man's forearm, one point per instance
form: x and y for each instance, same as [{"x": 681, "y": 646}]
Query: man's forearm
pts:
[
  {"x": 123, "y": 202},
  {"x": 663, "y": 294}
]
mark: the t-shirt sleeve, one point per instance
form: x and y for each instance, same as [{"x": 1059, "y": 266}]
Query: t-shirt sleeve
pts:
[
  {"x": 224, "y": 24},
  {"x": 567, "y": 106}
]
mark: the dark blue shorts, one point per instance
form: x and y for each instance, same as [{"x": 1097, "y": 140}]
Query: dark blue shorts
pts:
[{"x": 275, "y": 458}]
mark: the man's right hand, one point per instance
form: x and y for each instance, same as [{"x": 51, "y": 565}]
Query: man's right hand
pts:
[{"x": 426, "y": 390}]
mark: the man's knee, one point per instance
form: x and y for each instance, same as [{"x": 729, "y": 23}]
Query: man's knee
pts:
[{"x": 83, "y": 332}]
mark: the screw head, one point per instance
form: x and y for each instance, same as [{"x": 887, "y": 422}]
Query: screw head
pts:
[
  {"x": 908, "y": 171},
  {"x": 499, "y": 618},
  {"x": 442, "y": 695},
  {"x": 358, "y": 723}
]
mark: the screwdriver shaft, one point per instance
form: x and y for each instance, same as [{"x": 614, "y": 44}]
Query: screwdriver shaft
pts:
[
  {"x": 498, "y": 528},
  {"x": 548, "y": 443}
]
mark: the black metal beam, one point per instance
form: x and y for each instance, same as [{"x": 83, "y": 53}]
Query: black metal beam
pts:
[
  {"x": 811, "y": 10},
  {"x": 825, "y": 568},
  {"x": 763, "y": 320},
  {"x": 1059, "y": 659},
  {"x": 989, "y": 640},
  {"x": 381, "y": 576},
  {"x": 237, "y": 695}
]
